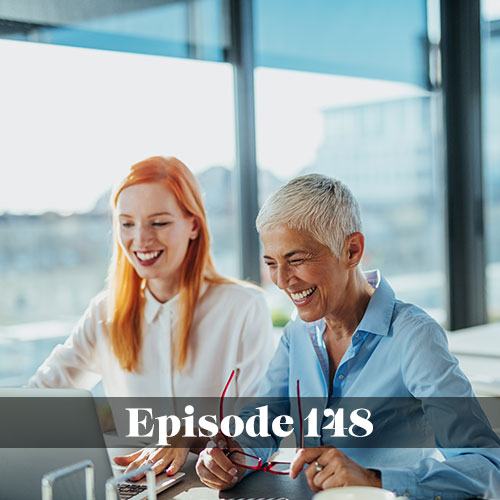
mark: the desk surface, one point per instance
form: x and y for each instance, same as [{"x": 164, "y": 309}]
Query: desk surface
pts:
[
  {"x": 478, "y": 350},
  {"x": 256, "y": 485}
]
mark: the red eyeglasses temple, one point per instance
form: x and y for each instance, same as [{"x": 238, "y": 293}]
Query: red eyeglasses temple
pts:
[
  {"x": 221, "y": 405},
  {"x": 301, "y": 441}
]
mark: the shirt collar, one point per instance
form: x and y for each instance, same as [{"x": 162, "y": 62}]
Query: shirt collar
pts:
[
  {"x": 378, "y": 314},
  {"x": 153, "y": 307}
]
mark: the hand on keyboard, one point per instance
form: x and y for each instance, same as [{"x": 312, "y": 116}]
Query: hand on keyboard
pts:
[
  {"x": 129, "y": 491},
  {"x": 169, "y": 459}
]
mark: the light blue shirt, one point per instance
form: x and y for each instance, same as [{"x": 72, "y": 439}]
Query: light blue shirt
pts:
[{"x": 397, "y": 350}]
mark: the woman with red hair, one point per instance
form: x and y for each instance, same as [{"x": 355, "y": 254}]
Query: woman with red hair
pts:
[{"x": 167, "y": 318}]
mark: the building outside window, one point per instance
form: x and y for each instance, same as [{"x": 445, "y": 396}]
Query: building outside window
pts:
[
  {"x": 491, "y": 149},
  {"x": 358, "y": 108},
  {"x": 73, "y": 120}
]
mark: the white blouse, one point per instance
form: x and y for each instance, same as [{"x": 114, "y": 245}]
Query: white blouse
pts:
[{"x": 231, "y": 330}]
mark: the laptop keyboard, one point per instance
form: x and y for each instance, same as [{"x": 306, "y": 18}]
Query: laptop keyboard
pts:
[{"x": 130, "y": 490}]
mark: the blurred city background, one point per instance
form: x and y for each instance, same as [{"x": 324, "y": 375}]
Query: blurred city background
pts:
[{"x": 82, "y": 102}]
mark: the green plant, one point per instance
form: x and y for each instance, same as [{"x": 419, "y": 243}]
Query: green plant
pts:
[{"x": 280, "y": 318}]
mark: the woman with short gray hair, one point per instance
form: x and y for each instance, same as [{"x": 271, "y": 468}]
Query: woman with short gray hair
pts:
[
  {"x": 352, "y": 338},
  {"x": 320, "y": 205}
]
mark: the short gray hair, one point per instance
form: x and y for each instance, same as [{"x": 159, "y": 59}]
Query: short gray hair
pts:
[{"x": 320, "y": 205}]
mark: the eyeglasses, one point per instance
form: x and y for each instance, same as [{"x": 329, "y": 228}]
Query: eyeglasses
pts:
[{"x": 252, "y": 462}]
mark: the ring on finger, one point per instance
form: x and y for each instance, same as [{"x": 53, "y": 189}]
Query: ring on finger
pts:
[{"x": 318, "y": 466}]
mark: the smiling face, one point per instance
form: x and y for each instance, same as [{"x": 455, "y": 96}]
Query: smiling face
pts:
[
  {"x": 154, "y": 232},
  {"x": 315, "y": 280}
]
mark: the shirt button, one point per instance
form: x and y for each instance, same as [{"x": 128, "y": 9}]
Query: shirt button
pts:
[
  {"x": 341, "y": 377},
  {"x": 356, "y": 335}
]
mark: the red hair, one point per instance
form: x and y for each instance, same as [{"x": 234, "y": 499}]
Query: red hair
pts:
[{"x": 126, "y": 301}]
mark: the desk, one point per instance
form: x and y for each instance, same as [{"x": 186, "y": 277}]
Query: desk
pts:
[
  {"x": 256, "y": 485},
  {"x": 478, "y": 350}
]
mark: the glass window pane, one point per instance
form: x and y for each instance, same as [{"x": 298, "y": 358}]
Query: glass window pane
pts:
[
  {"x": 491, "y": 150},
  {"x": 73, "y": 121},
  {"x": 385, "y": 39},
  {"x": 191, "y": 29},
  {"x": 382, "y": 138}
]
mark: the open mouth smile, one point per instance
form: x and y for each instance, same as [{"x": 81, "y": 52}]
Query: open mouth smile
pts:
[
  {"x": 303, "y": 297},
  {"x": 148, "y": 258}
]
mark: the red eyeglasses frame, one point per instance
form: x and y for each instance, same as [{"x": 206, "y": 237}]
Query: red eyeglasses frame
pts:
[{"x": 262, "y": 466}]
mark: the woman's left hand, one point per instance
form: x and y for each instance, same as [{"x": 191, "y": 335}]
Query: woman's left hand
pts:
[
  {"x": 171, "y": 459},
  {"x": 337, "y": 469}
]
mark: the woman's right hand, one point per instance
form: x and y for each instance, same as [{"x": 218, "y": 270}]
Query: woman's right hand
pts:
[
  {"x": 215, "y": 469},
  {"x": 171, "y": 459}
]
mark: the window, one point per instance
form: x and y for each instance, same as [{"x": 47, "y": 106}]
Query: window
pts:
[
  {"x": 357, "y": 108},
  {"x": 491, "y": 150},
  {"x": 341, "y": 88},
  {"x": 73, "y": 121}
]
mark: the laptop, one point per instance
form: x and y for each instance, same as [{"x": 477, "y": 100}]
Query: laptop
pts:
[{"x": 26, "y": 419}]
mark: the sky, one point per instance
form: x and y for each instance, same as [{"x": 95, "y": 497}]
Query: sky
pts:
[
  {"x": 74, "y": 120},
  {"x": 490, "y": 9}
]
